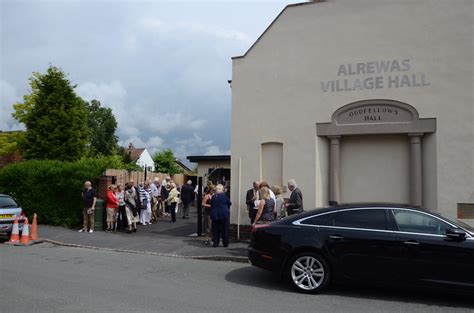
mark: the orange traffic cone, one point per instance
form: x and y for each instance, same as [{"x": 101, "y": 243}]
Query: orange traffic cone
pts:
[
  {"x": 15, "y": 236},
  {"x": 34, "y": 229},
  {"x": 25, "y": 234}
]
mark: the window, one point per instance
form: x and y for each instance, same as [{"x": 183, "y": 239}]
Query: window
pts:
[
  {"x": 361, "y": 218},
  {"x": 323, "y": 220},
  {"x": 7, "y": 202},
  {"x": 416, "y": 222},
  {"x": 364, "y": 218}
]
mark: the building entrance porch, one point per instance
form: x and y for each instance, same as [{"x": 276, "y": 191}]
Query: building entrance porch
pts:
[{"x": 375, "y": 152}]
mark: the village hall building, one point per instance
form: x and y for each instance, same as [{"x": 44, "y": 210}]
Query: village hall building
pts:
[{"x": 359, "y": 101}]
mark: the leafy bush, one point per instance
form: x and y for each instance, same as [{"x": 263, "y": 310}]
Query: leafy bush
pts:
[{"x": 53, "y": 188}]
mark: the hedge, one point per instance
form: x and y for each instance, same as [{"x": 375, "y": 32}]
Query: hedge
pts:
[{"x": 52, "y": 188}]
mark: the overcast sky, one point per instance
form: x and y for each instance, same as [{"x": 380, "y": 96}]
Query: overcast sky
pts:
[{"x": 162, "y": 66}]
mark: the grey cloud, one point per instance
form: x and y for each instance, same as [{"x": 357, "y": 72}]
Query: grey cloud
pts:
[{"x": 161, "y": 66}]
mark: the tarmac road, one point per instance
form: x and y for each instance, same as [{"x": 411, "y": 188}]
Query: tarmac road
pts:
[{"x": 49, "y": 278}]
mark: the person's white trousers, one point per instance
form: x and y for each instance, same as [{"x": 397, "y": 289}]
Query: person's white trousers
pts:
[{"x": 145, "y": 216}]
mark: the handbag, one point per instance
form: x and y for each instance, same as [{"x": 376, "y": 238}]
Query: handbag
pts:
[{"x": 132, "y": 208}]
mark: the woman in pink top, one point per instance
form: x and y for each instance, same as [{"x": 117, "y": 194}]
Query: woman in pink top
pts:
[{"x": 111, "y": 207}]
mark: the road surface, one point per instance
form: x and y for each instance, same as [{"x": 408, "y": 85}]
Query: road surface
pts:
[{"x": 49, "y": 278}]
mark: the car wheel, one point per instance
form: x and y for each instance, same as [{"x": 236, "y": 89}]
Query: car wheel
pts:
[{"x": 308, "y": 272}]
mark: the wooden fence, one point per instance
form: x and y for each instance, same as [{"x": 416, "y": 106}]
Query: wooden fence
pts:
[{"x": 123, "y": 176}]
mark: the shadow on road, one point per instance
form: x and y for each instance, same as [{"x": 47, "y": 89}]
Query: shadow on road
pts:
[
  {"x": 254, "y": 277},
  {"x": 427, "y": 297}
]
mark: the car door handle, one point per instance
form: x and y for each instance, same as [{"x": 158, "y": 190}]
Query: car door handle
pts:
[
  {"x": 411, "y": 243},
  {"x": 336, "y": 237}
]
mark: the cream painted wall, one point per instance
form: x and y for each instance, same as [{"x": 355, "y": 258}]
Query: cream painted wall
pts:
[
  {"x": 383, "y": 176},
  {"x": 281, "y": 75},
  {"x": 272, "y": 163},
  {"x": 204, "y": 166}
]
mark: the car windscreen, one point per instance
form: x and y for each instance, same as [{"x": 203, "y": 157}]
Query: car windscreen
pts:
[{"x": 7, "y": 202}]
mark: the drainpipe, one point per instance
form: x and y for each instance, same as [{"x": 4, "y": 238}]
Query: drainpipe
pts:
[{"x": 238, "y": 201}]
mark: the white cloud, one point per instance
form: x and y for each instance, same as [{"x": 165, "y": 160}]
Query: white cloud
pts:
[
  {"x": 108, "y": 94},
  {"x": 8, "y": 97},
  {"x": 215, "y": 150},
  {"x": 158, "y": 25}
]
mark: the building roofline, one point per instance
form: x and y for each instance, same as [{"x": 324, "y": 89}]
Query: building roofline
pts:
[
  {"x": 178, "y": 161},
  {"x": 197, "y": 158},
  {"x": 273, "y": 22}
]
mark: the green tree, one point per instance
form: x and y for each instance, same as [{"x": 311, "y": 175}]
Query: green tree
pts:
[
  {"x": 165, "y": 162},
  {"x": 101, "y": 124},
  {"x": 55, "y": 118},
  {"x": 9, "y": 142}
]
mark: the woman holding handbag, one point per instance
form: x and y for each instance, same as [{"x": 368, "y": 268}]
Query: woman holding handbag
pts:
[{"x": 131, "y": 208}]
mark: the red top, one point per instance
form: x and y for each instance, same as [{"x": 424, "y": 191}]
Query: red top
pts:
[{"x": 112, "y": 201}]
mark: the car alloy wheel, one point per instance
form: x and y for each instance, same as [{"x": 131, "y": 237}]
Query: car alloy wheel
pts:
[{"x": 308, "y": 272}]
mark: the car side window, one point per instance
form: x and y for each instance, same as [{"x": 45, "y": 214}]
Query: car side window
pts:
[
  {"x": 322, "y": 220},
  {"x": 362, "y": 218},
  {"x": 416, "y": 222}
]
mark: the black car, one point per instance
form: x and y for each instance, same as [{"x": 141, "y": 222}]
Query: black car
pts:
[{"x": 376, "y": 243}]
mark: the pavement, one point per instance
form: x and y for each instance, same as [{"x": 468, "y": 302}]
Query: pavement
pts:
[{"x": 162, "y": 238}]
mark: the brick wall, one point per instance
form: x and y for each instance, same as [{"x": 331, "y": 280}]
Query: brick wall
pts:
[
  {"x": 10, "y": 158},
  {"x": 102, "y": 185}
]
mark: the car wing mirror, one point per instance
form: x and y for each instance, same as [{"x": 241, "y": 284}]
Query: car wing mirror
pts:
[{"x": 456, "y": 234}]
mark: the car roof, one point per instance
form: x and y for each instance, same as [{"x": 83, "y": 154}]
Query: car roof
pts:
[{"x": 359, "y": 205}]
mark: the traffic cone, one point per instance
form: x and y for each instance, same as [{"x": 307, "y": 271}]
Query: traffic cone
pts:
[
  {"x": 34, "y": 229},
  {"x": 25, "y": 234},
  {"x": 15, "y": 236}
]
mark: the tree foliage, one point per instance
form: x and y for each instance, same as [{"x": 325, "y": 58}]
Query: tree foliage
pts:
[
  {"x": 9, "y": 142},
  {"x": 53, "y": 188},
  {"x": 165, "y": 162},
  {"x": 101, "y": 126},
  {"x": 55, "y": 118}
]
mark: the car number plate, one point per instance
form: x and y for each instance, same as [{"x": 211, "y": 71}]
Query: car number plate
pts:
[{"x": 5, "y": 216}]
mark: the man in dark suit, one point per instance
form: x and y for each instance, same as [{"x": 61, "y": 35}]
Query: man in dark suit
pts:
[
  {"x": 187, "y": 196},
  {"x": 251, "y": 196},
  {"x": 295, "y": 203}
]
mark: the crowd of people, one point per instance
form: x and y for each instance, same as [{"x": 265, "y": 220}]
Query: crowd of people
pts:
[
  {"x": 128, "y": 205},
  {"x": 265, "y": 203},
  {"x": 146, "y": 203}
]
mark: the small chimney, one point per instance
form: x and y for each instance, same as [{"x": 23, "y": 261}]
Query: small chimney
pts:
[{"x": 130, "y": 146}]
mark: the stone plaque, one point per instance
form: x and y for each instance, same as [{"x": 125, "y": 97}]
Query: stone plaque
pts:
[
  {"x": 466, "y": 210},
  {"x": 375, "y": 117},
  {"x": 374, "y": 113}
]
